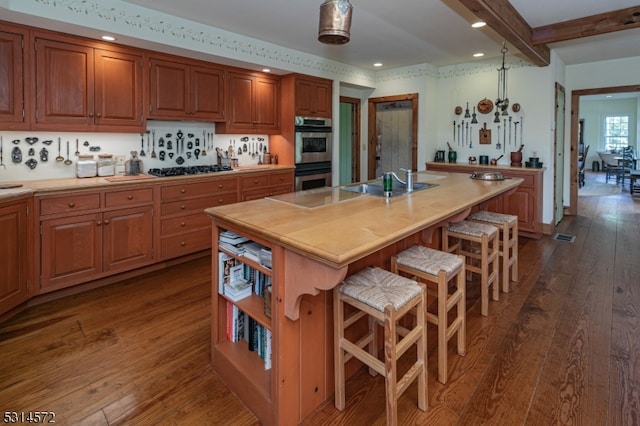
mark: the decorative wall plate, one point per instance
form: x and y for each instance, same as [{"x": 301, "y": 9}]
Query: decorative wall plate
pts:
[
  {"x": 485, "y": 106},
  {"x": 458, "y": 110},
  {"x": 515, "y": 107}
]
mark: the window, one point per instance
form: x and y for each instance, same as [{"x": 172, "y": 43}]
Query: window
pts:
[{"x": 616, "y": 132}]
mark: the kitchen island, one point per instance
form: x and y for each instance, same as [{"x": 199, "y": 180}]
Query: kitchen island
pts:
[{"x": 316, "y": 238}]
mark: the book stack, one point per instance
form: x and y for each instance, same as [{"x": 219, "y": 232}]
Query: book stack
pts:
[{"x": 241, "y": 327}]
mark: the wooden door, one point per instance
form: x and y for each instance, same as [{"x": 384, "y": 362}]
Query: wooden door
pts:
[
  {"x": 64, "y": 84},
  {"x": 12, "y": 111},
  {"x": 128, "y": 238},
  {"x": 118, "y": 89},
  {"x": 207, "y": 92},
  {"x": 267, "y": 104},
  {"x": 241, "y": 108},
  {"x": 168, "y": 89},
  {"x": 13, "y": 262},
  {"x": 71, "y": 250}
]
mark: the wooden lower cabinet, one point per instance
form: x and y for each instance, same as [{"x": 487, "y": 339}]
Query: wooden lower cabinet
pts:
[
  {"x": 15, "y": 266},
  {"x": 525, "y": 202},
  {"x": 184, "y": 227},
  {"x": 86, "y": 236},
  {"x": 266, "y": 184}
]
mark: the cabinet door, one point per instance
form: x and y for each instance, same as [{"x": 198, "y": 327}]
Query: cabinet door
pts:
[
  {"x": 313, "y": 98},
  {"x": 267, "y": 104},
  {"x": 168, "y": 89},
  {"x": 13, "y": 262},
  {"x": 522, "y": 204},
  {"x": 128, "y": 238},
  {"x": 11, "y": 80},
  {"x": 64, "y": 84},
  {"x": 207, "y": 93},
  {"x": 241, "y": 106},
  {"x": 118, "y": 88},
  {"x": 71, "y": 250}
]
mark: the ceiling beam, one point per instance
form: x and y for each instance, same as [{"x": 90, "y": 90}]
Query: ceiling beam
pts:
[
  {"x": 501, "y": 16},
  {"x": 616, "y": 20}
]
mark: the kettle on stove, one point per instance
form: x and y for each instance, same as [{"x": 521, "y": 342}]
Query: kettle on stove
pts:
[{"x": 133, "y": 166}]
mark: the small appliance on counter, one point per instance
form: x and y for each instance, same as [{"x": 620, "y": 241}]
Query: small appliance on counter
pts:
[{"x": 133, "y": 166}]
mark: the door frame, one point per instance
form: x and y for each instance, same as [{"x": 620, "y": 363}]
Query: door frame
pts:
[
  {"x": 355, "y": 136},
  {"x": 559, "y": 149},
  {"x": 575, "y": 116},
  {"x": 372, "y": 138}
]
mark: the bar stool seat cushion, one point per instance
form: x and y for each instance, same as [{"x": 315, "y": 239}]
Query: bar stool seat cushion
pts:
[
  {"x": 493, "y": 217},
  {"x": 378, "y": 288},
  {"x": 428, "y": 260},
  {"x": 473, "y": 229}
]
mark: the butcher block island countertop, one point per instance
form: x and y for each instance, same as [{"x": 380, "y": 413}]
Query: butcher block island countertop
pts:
[
  {"x": 337, "y": 227},
  {"x": 316, "y": 238}
]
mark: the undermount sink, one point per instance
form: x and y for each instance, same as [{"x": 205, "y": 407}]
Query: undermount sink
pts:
[{"x": 375, "y": 188}]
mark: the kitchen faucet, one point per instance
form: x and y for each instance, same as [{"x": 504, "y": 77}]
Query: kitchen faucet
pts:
[{"x": 408, "y": 182}]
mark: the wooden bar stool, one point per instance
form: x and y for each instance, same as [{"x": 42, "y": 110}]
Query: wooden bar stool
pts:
[
  {"x": 384, "y": 297},
  {"x": 478, "y": 242},
  {"x": 437, "y": 267},
  {"x": 508, "y": 242}
]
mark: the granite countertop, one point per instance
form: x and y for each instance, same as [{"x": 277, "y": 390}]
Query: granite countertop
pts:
[{"x": 337, "y": 228}]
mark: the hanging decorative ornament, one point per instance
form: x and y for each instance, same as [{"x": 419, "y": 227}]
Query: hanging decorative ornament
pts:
[
  {"x": 335, "y": 22},
  {"x": 502, "y": 103}
]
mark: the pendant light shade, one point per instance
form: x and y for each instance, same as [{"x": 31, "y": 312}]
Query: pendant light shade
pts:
[{"x": 335, "y": 22}]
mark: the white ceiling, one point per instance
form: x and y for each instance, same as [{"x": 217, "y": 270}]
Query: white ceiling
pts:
[{"x": 402, "y": 32}]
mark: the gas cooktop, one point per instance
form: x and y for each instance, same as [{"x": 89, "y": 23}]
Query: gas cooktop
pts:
[{"x": 188, "y": 170}]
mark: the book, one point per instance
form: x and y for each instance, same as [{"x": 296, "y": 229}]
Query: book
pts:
[
  {"x": 232, "y": 238},
  {"x": 225, "y": 263},
  {"x": 237, "y": 290}
]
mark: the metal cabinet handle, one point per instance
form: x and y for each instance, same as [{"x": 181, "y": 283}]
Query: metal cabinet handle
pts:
[
  {"x": 130, "y": 197},
  {"x": 72, "y": 204}
]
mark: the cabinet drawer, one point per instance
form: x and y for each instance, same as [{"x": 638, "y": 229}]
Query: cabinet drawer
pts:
[
  {"x": 129, "y": 197},
  {"x": 196, "y": 205},
  {"x": 285, "y": 178},
  {"x": 69, "y": 203},
  {"x": 180, "y": 245},
  {"x": 255, "y": 181},
  {"x": 182, "y": 224},
  {"x": 198, "y": 189}
]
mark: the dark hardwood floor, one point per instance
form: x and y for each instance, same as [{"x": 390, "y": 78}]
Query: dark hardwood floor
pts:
[{"x": 563, "y": 347}]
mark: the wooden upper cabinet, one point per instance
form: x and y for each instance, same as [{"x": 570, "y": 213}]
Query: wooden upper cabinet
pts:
[
  {"x": 253, "y": 105},
  {"x": 118, "y": 88},
  {"x": 185, "y": 90},
  {"x": 12, "y": 71},
  {"x": 313, "y": 97},
  {"x": 79, "y": 88}
]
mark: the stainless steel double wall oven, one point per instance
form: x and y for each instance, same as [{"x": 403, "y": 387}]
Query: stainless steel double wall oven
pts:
[{"x": 313, "y": 152}]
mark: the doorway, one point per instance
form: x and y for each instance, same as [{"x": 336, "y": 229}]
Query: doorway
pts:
[
  {"x": 349, "y": 137},
  {"x": 393, "y": 134},
  {"x": 575, "y": 117},
  {"x": 558, "y": 149}
]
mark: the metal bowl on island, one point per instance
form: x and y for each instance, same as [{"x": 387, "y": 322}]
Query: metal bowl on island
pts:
[{"x": 482, "y": 175}]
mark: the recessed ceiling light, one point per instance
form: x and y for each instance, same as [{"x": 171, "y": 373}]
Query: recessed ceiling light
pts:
[
  {"x": 377, "y": 64},
  {"x": 108, "y": 38},
  {"x": 478, "y": 55},
  {"x": 478, "y": 24},
  {"x": 266, "y": 70}
]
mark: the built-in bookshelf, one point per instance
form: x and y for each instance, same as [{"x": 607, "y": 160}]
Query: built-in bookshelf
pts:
[{"x": 242, "y": 344}]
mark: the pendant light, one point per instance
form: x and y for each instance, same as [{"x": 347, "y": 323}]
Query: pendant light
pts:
[{"x": 335, "y": 22}]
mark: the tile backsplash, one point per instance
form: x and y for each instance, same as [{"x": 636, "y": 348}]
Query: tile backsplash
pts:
[{"x": 196, "y": 137}]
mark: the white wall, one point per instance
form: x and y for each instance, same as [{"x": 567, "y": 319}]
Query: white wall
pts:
[{"x": 113, "y": 143}]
